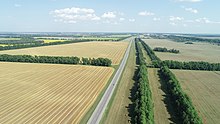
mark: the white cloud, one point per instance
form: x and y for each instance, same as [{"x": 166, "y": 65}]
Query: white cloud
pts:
[
  {"x": 17, "y": 5},
  {"x": 185, "y": 25},
  {"x": 109, "y": 15},
  {"x": 192, "y": 1},
  {"x": 173, "y": 18},
  {"x": 195, "y": 11},
  {"x": 121, "y": 19},
  {"x": 113, "y": 17},
  {"x": 131, "y": 20},
  {"x": 206, "y": 20},
  {"x": 156, "y": 19},
  {"x": 74, "y": 14},
  {"x": 145, "y": 13},
  {"x": 173, "y": 24}
]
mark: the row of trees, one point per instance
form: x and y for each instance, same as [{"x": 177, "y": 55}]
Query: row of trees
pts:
[
  {"x": 155, "y": 60},
  {"x": 191, "y": 39},
  {"x": 55, "y": 60},
  {"x": 38, "y": 44},
  {"x": 22, "y": 40},
  {"x": 181, "y": 102},
  {"x": 192, "y": 65},
  {"x": 97, "y": 62},
  {"x": 160, "y": 49},
  {"x": 143, "y": 97},
  {"x": 185, "y": 38}
]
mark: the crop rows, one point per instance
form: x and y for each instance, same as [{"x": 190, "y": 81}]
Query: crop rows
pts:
[
  {"x": 49, "y": 93},
  {"x": 111, "y": 50}
]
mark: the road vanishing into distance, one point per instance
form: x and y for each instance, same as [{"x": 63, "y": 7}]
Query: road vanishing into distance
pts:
[{"x": 100, "y": 109}]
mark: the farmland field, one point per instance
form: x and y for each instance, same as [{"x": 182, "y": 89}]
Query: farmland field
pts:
[
  {"x": 203, "y": 87},
  {"x": 42, "y": 93},
  {"x": 111, "y": 50},
  {"x": 10, "y": 39},
  {"x": 100, "y": 38},
  {"x": 3, "y": 45},
  {"x": 51, "y": 41},
  {"x": 188, "y": 52}
]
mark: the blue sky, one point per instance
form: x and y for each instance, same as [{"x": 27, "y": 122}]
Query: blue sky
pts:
[{"x": 180, "y": 16}]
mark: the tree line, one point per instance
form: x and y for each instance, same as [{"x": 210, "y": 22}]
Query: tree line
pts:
[
  {"x": 160, "y": 49},
  {"x": 155, "y": 60},
  {"x": 185, "y": 38},
  {"x": 143, "y": 97},
  {"x": 192, "y": 65},
  {"x": 180, "y": 101},
  {"x": 55, "y": 60},
  {"x": 38, "y": 44}
]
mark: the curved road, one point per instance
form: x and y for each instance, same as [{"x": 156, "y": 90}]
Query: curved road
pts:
[{"x": 100, "y": 108}]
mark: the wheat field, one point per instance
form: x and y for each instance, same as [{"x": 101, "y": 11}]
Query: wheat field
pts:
[
  {"x": 112, "y": 50},
  {"x": 43, "y": 93}
]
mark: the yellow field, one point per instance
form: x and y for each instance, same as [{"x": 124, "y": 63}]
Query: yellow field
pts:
[
  {"x": 112, "y": 50},
  {"x": 51, "y": 41},
  {"x": 203, "y": 87},
  {"x": 3, "y": 45},
  {"x": 42, "y": 93},
  {"x": 188, "y": 52},
  {"x": 10, "y": 38}
]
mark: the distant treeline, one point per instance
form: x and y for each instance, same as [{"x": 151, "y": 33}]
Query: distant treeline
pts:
[
  {"x": 22, "y": 40},
  {"x": 180, "y": 101},
  {"x": 55, "y": 60},
  {"x": 192, "y": 65},
  {"x": 160, "y": 49},
  {"x": 38, "y": 44},
  {"x": 143, "y": 97},
  {"x": 189, "y": 42},
  {"x": 186, "y": 39},
  {"x": 155, "y": 60}
]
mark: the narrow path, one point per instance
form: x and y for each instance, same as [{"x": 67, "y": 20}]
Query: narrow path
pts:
[{"x": 161, "y": 114}]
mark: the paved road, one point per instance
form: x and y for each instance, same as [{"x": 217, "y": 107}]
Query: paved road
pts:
[{"x": 100, "y": 109}]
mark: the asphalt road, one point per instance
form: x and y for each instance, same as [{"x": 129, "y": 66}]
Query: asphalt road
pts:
[{"x": 100, "y": 109}]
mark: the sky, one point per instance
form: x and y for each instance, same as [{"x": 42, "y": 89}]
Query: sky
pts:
[{"x": 158, "y": 16}]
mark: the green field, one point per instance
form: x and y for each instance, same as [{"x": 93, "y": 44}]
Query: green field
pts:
[
  {"x": 188, "y": 52},
  {"x": 10, "y": 38},
  {"x": 3, "y": 45},
  {"x": 203, "y": 87},
  {"x": 100, "y": 38},
  {"x": 51, "y": 41}
]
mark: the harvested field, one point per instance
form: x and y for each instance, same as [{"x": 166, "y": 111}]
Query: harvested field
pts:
[
  {"x": 112, "y": 50},
  {"x": 203, "y": 87},
  {"x": 51, "y": 41},
  {"x": 188, "y": 52},
  {"x": 42, "y": 93}
]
